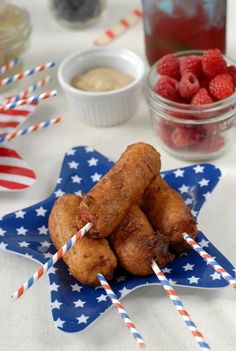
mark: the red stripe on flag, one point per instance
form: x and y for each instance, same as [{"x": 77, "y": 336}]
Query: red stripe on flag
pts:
[
  {"x": 15, "y": 112},
  {"x": 9, "y": 153},
  {"x": 17, "y": 171},
  {"x": 12, "y": 185},
  {"x": 9, "y": 124}
]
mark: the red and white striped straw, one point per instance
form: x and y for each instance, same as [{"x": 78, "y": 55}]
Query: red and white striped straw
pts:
[
  {"x": 56, "y": 257},
  {"x": 27, "y": 73},
  {"x": 210, "y": 260},
  {"x": 26, "y": 92},
  {"x": 124, "y": 315},
  {"x": 9, "y": 65},
  {"x": 31, "y": 129},
  {"x": 170, "y": 291},
  {"x": 121, "y": 27},
  {"x": 31, "y": 100}
]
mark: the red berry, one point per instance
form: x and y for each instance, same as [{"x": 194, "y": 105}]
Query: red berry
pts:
[
  {"x": 167, "y": 87},
  {"x": 191, "y": 64},
  {"x": 221, "y": 86},
  {"x": 201, "y": 98},
  {"x": 185, "y": 136},
  {"x": 212, "y": 143},
  {"x": 213, "y": 63},
  {"x": 232, "y": 72},
  {"x": 169, "y": 66},
  {"x": 188, "y": 85}
]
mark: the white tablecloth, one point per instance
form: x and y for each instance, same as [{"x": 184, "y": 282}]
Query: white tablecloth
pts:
[{"x": 27, "y": 323}]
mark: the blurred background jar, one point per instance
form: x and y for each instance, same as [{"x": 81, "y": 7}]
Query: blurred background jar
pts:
[
  {"x": 176, "y": 25},
  {"x": 77, "y": 14},
  {"x": 15, "y": 30}
]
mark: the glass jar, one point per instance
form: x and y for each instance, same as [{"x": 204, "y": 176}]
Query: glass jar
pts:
[
  {"x": 15, "y": 30},
  {"x": 77, "y": 14},
  {"x": 191, "y": 132},
  {"x": 175, "y": 25}
]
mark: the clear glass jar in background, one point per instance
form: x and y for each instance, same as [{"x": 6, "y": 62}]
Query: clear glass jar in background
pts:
[
  {"x": 191, "y": 132},
  {"x": 77, "y": 14},
  {"x": 176, "y": 25},
  {"x": 15, "y": 30}
]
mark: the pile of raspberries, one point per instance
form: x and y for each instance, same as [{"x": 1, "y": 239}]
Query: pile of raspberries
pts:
[{"x": 194, "y": 80}]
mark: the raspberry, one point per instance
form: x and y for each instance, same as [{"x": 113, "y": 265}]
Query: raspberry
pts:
[
  {"x": 211, "y": 143},
  {"x": 167, "y": 87},
  {"x": 189, "y": 85},
  {"x": 185, "y": 136},
  {"x": 191, "y": 64},
  {"x": 213, "y": 63},
  {"x": 201, "y": 98},
  {"x": 232, "y": 72},
  {"x": 221, "y": 86},
  {"x": 169, "y": 66}
]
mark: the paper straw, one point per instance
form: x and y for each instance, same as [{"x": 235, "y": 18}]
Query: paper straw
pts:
[
  {"x": 180, "y": 307},
  {"x": 121, "y": 27},
  {"x": 116, "y": 303},
  {"x": 27, "y": 73},
  {"x": 44, "y": 268},
  {"x": 31, "y": 129},
  {"x": 210, "y": 260},
  {"x": 31, "y": 100},
  {"x": 9, "y": 65},
  {"x": 25, "y": 93}
]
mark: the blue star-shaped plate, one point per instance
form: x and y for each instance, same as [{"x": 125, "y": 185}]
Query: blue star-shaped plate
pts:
[{"x": 76, "y": 306}]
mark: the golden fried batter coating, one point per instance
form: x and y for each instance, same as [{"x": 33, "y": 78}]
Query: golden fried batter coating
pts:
[
  {"x": 108, "y": 202},
  {"x": 87, "y": 257},
  {"x": 136, "y": 244},
  {"x": 168, "y": 213}
]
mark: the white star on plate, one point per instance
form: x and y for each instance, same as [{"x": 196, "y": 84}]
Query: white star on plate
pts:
[
  {"x": 3, "y": 246},
  {"x": 121, "y": 278},
  {"x": 101, "y": 298},
  {"x": 41, "y": 211},
  {"x": 79, "y": 303},
  {"x": 203, "y": 182},
  {"x": 54, "y": 287},
  {"x": 2, "y": 232},
  {"x": 215, "y": 276},
  {"x": 23, "y": 244},
  {"x": 73, "y": 165},
  {"x": 76, "y": 179},
  {"x": 43, "y": 230},
  {"x": 193, "y": 280},
  {"x": 59, "y": 180},
  {"x": 198, "y": 169},
  {"x": 79, "y": 192},
  {"x": 179, "y": 173},
  {"x": 59, "y": 323},
  {"x": 188, "y": 267},
  {"x": 20, "y": 214},
  {"x": 45, "y": 244},
  {"x": 124, "y": 291},
  {"x": 76, "y": 287},
  {"x": 166, "y": 270},
  {"x": 89, "y": 149},
  {"x": 21, "y": 230},
  {"x": 194, "y": 213},
  {"x": 96, "y": 177},
  {"x": 188, "y": 201},
  {"x": 59, "y": 193},
  {"x": 92, "y": 162},
  {"x": 184, "y": 189},
  {"x": 207, "y": 195},
  {"x": 82, "y": 319},
  {"x": 48, "y": 255},
  {"x": 56, "y": 304},
  {"x": 52, "y": 270},
  {"x": 172, "y": 282},
  {"x": 204, "y": 243},
  {"x": 71, "y": 152}
]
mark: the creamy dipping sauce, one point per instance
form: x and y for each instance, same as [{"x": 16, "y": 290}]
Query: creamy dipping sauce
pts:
[{"x": 101, "y": 79}]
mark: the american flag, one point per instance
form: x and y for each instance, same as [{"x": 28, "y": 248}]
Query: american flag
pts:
[{"x": 15, "y": 173}]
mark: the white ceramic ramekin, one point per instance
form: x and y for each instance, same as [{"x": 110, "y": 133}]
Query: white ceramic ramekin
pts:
[{"x": 103, "y": 109}]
